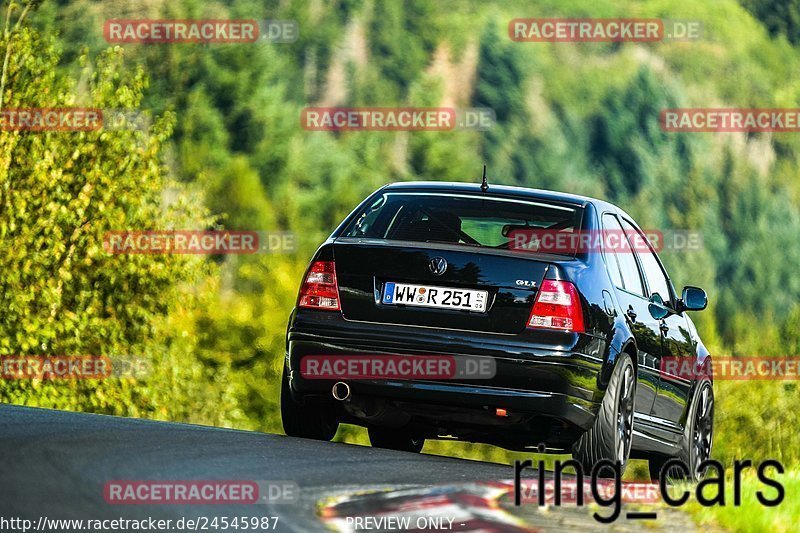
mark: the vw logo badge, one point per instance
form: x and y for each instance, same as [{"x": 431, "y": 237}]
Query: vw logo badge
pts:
[{"x": 438, "y": 265}]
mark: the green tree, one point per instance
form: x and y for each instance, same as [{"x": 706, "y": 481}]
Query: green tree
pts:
[
  {"x": 779, "y": 16},
  {"x": 60, "y": 192}
]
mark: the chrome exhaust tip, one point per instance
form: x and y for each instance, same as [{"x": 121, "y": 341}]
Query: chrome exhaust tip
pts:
[{"x": 341, "y": 391}]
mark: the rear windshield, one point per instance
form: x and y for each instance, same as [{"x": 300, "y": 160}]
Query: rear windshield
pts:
[{"x": 458, "y": 219}]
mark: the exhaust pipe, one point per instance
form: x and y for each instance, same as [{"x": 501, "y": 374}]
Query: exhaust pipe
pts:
[{"x": 341, "y": 391}]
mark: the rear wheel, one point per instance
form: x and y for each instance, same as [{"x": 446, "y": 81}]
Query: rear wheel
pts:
[
  {"x": 394, "y": 439},
  {"x": 612, "y": 432},
  {"x": 696, "y": 441},
  {"x": 307, "y": 419}
]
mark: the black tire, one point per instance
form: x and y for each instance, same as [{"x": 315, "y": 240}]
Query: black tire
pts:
[
  {"x": 695, "y": 446},
  {"x": 309, "y": 420},
  {"x": 394, "y": 439},
  {"x": 612, "y": 432}
]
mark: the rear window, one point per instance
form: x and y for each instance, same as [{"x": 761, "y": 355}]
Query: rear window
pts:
[{"x": 458, "y": 219}]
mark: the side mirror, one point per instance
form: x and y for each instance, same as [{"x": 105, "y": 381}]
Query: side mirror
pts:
[
  {"x": 694, "y": 299},
  {"x": 657, "y": 308}
]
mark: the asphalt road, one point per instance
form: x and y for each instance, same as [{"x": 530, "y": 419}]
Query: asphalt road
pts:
[{"x": 56, "y": 465}]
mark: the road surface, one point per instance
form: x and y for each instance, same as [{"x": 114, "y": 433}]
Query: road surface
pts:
[{"x": 57, "y": 465}]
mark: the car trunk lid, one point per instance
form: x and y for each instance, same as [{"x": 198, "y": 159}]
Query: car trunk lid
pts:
[{"x": 364, "y": 267}]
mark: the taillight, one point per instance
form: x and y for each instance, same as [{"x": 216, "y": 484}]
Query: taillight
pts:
[
  {"x": 557, "y": 306},
  {"x": 319, "y": 290}
]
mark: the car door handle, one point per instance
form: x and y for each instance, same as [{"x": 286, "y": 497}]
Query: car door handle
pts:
[
  {"x": 664, "y": 328},
  {"x": 631, "y": 313}
]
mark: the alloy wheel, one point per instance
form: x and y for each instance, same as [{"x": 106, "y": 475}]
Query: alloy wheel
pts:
[
  {"x": 703, "y": 431},
  {"x": 625, "y": 416}
]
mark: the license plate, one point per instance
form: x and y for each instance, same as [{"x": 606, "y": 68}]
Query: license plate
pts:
[{"x": 440, "y": 297}]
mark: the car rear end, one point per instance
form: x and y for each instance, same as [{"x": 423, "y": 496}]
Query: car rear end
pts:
[{"x": 432, "y": 272}]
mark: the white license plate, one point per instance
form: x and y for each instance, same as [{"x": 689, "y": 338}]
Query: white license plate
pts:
[{"x": 440, "y": 297}]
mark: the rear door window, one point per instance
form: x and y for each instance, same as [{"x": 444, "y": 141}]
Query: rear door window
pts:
[
  {"x": 657, "y": 282},
  {"x": 629, "y": 270},
  {"x": 611, "y": 258}
]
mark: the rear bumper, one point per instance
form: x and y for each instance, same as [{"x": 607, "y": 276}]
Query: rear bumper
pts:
[{"x": 551, "y": 376}]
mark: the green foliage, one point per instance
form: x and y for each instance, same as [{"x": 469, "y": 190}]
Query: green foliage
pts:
[
  {"x": 767, "y": 429},
  {"x": 62, "y": 293},
  {"x": 402, "y": 38},
  {"x": 500, "y": 76},
  {"x": 781, "y": 17},
  {"x": 752, "y": 516},
  {"x": 581, "y": 118}
]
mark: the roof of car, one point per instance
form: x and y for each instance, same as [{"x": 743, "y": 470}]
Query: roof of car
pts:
[{"x": 503, "y": 190}]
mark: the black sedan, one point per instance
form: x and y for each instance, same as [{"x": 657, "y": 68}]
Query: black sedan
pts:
[{"x": 494, "y": 314}]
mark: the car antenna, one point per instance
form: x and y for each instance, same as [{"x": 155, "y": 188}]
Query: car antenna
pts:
[{"x": 484, "y": 184}]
